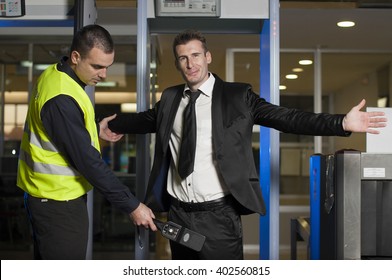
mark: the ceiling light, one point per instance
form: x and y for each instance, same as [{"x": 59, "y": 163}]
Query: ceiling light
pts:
[
  {"x": 282, "y": 87},
  {"x": 346, "y": 23},
  {"x": 305, "y": 62},
  {"x": 291, "y": 76},
  {"x": 297, "y": 70}
]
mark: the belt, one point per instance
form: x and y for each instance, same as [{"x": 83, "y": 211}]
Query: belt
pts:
[
  {"x": 203, "y": 206},
  {"x": 27, "y": 195}
]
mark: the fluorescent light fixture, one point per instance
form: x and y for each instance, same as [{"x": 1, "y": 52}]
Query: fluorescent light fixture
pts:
[
  {"x": 305, "y": 62},
  {"x": 26, "y": 63},
  {"x": 41, "y": 67},
  {"x": 106, "y": 84},
  {"x": 291, "y": 76},
  {"x": 346, "y": 23},
  {"x": 128, "y": 107},
  {"x": 282, "y": 87},
  {"x": 382, "y": 102},
  {"x": 297, "y": 70}
]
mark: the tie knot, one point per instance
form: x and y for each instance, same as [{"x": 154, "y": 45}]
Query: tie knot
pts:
[{"x": 193, "y": 95}]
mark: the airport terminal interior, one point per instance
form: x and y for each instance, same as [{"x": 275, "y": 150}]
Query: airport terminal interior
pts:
[{"x": 321, "y": 67}]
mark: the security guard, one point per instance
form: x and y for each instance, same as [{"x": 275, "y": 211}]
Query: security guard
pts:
[{"x": 60, "y": 160}]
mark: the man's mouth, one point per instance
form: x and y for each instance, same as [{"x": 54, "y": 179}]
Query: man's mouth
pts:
[{"x": 193, "y": 73}]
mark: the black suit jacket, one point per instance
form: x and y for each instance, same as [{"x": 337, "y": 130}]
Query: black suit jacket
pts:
[{"x": 235, "y": 109}]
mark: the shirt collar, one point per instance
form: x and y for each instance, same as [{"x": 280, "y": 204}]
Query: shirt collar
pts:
[
  {"x": 206, "y": 88},
  {"x": 63, "y": 66}
]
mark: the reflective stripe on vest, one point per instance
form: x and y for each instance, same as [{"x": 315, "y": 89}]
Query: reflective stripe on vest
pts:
[
  {"x": 40, "y": 167},
  {"x": 47, "y": 168},
  {"x": 36, "y": 140}
]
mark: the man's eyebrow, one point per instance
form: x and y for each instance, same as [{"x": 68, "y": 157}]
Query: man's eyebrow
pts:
[{"x": 194, "y": 53}]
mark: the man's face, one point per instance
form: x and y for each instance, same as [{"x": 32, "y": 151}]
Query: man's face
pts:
[
  {"x": 192, "y": 61},
  {"x": 92, "y": 68}
]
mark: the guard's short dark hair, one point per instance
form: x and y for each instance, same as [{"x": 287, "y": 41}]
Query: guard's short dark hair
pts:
[
  {"x": 186, "y": 36},
  {"x": 92, "y": 36}
]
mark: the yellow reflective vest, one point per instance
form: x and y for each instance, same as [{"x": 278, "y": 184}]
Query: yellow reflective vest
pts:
[{"x": 42, "y": 170}]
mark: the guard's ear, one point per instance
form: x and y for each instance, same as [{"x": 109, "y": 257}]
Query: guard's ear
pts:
[{"x": 75, "y": 57}]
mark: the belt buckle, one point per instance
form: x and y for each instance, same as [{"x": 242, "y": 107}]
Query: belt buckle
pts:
[{"x": 190, "y": 207}]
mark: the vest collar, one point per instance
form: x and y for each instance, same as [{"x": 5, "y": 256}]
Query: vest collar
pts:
[{"x": 63, "y": 66}]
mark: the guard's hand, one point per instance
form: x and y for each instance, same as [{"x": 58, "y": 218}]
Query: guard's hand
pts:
[
  {"x": 143, "y": 216},
  {"x": 358, "y": 121},
  {"x": 105, "y": 133}
]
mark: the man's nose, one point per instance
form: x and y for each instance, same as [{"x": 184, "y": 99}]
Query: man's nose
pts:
[
  {"x": 189, "y": 63},
  {"x": 102, "y": 73}
]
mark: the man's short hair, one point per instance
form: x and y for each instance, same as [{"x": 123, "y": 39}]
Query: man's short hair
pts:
[
  {"x": 186, "y": 36},
  {"x": 92, "y": 36}
]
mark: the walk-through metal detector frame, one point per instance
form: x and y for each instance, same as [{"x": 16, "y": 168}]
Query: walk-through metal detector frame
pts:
[
  {"x": 269, "y": 138},
  {"x": 85, "y": 14},
  {"x": 269, "y": 81}
]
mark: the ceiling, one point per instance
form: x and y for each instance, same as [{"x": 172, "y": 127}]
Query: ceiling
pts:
[
  {"x": 350, "y": 54},
  {"x": 304, "y": 27}
]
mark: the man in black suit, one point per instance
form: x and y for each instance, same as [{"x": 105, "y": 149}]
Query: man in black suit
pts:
[{"x": 224, "y": 183}]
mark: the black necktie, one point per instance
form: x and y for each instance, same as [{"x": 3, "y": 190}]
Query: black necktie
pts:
[{"x": 188, "y": 143}]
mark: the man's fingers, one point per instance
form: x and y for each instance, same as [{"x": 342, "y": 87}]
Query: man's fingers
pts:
[
  {"x": 377, "y": 114},
  {"x": 361, "y": 104},
  {"x": 111, "y": 117},
  {"x": 378, "y": 121},
  {"x": 372, "y": 131}
]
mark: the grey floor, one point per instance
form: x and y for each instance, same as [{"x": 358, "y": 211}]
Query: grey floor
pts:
[{"x": 117, "y": 252}]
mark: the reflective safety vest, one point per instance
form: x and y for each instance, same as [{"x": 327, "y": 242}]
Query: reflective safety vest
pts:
[{"x": 42, "y": 170}]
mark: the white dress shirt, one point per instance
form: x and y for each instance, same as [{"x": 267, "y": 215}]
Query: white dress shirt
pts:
[{"x": 204, "y": 183}]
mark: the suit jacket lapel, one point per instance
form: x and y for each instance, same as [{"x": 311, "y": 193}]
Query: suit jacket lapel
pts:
[
  {"x": 170, "y": 106},
  {"x": 216, "y": 114}
]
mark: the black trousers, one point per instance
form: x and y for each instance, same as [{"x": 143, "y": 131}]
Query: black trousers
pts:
[
  {"x": 223, "y": 230},
  {"x": 60, "y": 228}
]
